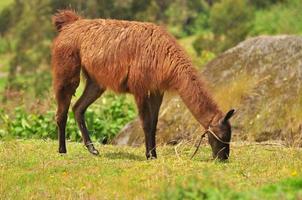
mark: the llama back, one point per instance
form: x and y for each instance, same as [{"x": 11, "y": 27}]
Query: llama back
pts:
[{"x": 124, "y": 56}]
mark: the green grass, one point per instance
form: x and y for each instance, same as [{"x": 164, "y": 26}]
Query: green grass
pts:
[
  {"x": 290, "y": 188},
  {"x": 32, "y": 169}
]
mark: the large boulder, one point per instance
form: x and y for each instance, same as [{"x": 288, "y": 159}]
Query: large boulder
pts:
[{"x": 261, "y": 77}]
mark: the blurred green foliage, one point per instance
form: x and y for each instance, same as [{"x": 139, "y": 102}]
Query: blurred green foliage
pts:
[
  {"x": 103, "y": 120},
  {"x": 265, "y": 3},
  {"x": 279, "y": 19},
  {"x": 230, "y": 23},
  {"x": 185, "y": 18},
  {"x": 231, "y": 19}
]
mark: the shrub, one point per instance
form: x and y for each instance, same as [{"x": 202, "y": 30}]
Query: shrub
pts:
[
  {"x": 103, "y": 120},
  {"x": 266, "y": 3},
  {"x": 187, "y": 17},
  {"x": 279, "y": 19},
  {"x": 231, "y": 19},
  {"x": 207, "y": 42}
]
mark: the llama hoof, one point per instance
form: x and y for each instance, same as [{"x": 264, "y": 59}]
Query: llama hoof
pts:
[
  {"x": 92, "y": 150},
  {"x": 151, "y": 157},
  {"x": 62, "y": 150}
]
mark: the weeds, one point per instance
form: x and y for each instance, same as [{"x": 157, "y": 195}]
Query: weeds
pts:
[{"x": 104, "y": 120}]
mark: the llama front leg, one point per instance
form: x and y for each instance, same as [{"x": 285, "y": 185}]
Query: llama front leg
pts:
[
  {"x": 148, "y": 107},
  {"x": 91, "y": 93},
  {"x": 145, "y": 117}
]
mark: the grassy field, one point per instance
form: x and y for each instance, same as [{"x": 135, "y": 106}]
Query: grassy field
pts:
[{"x": 32, "y": 169}]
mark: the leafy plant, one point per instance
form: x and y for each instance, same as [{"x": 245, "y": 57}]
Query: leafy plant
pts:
[
  {"x": 104, "y": 121},
  {"x": 278, "y": 19},
  {"x": 231, "y": 19}
]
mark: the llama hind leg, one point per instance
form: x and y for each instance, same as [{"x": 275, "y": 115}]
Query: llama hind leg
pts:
[
  {"x": 61, "y": 118},
  {"x": 91, "y": 93},
  {"x": 148, "y": 107},
  {"x": 63, "y": 96},
  {"x": 66, "y": 79}
]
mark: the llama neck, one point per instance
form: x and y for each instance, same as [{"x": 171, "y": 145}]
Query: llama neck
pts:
[{"x": 194, "y": 94}]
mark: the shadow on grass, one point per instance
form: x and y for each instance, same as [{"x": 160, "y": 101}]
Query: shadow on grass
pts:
[{"x": 124, "y": 156}]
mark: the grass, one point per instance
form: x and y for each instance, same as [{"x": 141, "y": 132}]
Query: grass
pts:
[
  {"x": 238, "y": 88},
  {"x": 31, "y": 169}
]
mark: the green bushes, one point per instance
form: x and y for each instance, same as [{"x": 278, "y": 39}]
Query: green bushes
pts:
[
  {"x": 104, "y": 120},
  {"x": 206, "y": 42},
  {"x": 230, "y": 18},
  {"x": 231, "y": 21},
  {"x": 266, "y": 3},
  {"x": 185, "y": 18},
  {"x": 229, "y": 24},
  {"x": 279, "y": 19}
]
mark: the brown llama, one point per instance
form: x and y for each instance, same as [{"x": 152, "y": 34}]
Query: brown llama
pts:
[{"x": 129, "y": 57}]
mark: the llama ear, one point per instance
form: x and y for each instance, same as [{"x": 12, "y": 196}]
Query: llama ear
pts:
[{"x": 228, "y": 115}]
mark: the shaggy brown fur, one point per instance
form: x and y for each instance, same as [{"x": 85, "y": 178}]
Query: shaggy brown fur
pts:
[{"x": 123, "y": 56}]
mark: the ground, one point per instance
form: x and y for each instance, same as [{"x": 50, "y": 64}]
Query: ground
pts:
[{"x": 32, "y": 169}]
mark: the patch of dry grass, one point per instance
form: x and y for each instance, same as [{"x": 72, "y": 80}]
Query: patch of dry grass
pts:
[{"x": 230, "y": 94}]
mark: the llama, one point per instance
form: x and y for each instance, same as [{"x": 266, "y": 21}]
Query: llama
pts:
[{"x": 129, "y": 57}]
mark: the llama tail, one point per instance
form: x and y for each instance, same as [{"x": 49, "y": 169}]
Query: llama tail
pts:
[{"x": 64, "y": 17}]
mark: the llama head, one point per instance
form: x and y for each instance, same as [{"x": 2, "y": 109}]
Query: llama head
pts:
[{"x": 219, "y": 136}]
